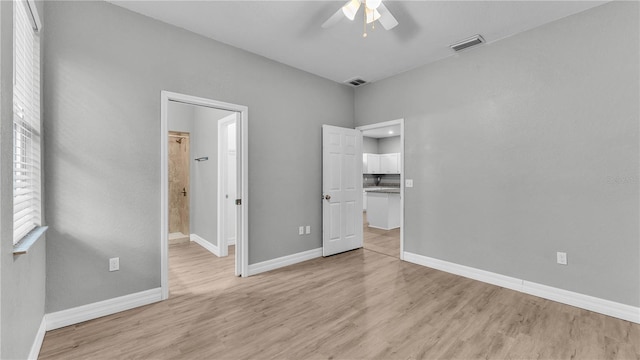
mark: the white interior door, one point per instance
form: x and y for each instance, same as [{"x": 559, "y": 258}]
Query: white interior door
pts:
[
  {"x": 341, "y": 189},
  {"x": 230, "y": 196}
]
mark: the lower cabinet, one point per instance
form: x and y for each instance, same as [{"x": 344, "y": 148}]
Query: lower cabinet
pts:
[
  {"x": 364, "y": 201},
  {"x": 383, "y": 210}
]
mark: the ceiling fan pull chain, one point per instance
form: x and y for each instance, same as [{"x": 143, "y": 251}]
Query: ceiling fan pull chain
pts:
[{"x": 364, "y": 23}]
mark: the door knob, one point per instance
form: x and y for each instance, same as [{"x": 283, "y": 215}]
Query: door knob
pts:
[
  {"x": 184, "y": 191},
  {"x": 327, "y": 197}
]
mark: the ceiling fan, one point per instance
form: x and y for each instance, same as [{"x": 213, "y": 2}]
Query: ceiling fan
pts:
[{"x": 374, "y": 10}]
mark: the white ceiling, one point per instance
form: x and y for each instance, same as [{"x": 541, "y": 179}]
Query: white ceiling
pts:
[
  {"x": 289, "y": 31},
  {"x": 383, "y": 132}
]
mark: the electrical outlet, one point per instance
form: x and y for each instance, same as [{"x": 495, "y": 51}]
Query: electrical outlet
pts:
[
  {"x": 114, "y": 264},
  {"x": 308, "y": 229},
  {"x": 561, "y": 258},
  {"x": 408, "y": 183},
  {"x": 301, "y": 230}
]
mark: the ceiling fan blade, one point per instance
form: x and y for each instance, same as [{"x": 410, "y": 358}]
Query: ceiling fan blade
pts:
[
  {"x": 334, "y": 19},
  {"x": 386, "y": 19}
]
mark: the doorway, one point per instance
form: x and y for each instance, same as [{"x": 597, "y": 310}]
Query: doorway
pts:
[
  {"x": 179, "y": 189},
  {"x": 383, "y": 187},
  {"x": 205, "y": 164}
]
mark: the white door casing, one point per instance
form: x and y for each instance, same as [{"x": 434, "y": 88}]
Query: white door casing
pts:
[
  {"x": 341, "y": 189},
  {"x": 400, "y": 170},
  {"x": 242, "y": 182}
]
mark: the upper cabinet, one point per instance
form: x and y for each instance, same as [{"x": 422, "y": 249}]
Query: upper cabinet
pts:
[
  {"x": 389, "y": 163},
  {"x": 370, "y": 163},
  {"x": 381, "y": 163}
]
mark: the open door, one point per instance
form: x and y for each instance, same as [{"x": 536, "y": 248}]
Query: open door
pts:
[{"x": 341, "y": 189}]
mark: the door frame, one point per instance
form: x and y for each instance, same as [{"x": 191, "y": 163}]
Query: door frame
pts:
[
  {"x": 381, "y": 125},
  {"x": 223, "y": 124},
  {"x": 242, "y": 233}
]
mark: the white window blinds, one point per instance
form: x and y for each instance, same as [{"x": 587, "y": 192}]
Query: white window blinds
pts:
[{"x": 26, "y": 120}]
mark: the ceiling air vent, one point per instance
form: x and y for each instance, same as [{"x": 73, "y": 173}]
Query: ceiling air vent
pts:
[
  {"x": 467, "y": 43},
  {"x": 355, "y": 82}
]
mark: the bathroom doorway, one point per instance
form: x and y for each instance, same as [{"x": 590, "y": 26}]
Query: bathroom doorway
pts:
[{"x": 179, "y": 189}]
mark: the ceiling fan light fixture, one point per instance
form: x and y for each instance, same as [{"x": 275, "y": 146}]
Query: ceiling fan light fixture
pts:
[
  {"x": 373, "y": 4},
  {"x": 350, "y": 9},
  {"x": 372, "y": 15}
]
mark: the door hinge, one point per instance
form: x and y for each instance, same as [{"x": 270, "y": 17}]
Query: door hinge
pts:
[{"x": 238, "y": 201}]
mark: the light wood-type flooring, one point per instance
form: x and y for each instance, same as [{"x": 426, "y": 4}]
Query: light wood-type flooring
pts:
[
  {"x": 382, "y": 241},
  {"x": 356, "y": 305}
]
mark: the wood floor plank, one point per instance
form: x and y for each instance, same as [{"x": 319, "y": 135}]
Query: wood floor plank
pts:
[{"x": 356, "y": 305}]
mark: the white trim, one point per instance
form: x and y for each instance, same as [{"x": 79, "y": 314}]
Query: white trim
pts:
[
  {"x": 242, "y": 236},
  {"x": 385, "y": 124},
  {"x": 602, "y": 306},
  {"x": 98, "y": 309},
  {"x": 587, "y": 302},
  {"x": 284, "y": 261},
  {"x": 205, "y": 244},
  {"x": 37, "y": 341}
]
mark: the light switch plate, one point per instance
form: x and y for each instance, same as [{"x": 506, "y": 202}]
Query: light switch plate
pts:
[
  {"x": 408, "y": 183},
  {"x": 308, "y": 229},
  {"x": 301, "y": 230}
]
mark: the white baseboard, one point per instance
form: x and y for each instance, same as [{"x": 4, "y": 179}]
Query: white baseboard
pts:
[
  {"x": 37, "y": 342},
  {"x": 205, "y": 244},
  {"x": 231, "y": 242},
  {"x": 102, "y": 308},
  {"x": 273, "y": 264},
  {"x": 587, "y": 302}
]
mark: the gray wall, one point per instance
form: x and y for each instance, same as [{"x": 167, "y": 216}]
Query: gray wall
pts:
[
  {"x": 525, "y": 147},
  {"x": 389, "y": 145},
  {"x": 369, "y": 145},
  {"x": 204, "y": 174},
  {"x": 105, "y": 68},
  {"x": 22, "y": 278}
]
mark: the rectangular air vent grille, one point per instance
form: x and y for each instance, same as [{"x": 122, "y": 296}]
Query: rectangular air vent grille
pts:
[
  {"x": 355, "y": 82},
  {"x": 467, "y": 43}
]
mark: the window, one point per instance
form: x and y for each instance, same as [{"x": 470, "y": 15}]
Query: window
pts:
[{"x": 26, "y": 119}]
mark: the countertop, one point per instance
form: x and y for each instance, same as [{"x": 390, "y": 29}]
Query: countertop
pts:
[{"x": 383, "y": 190}]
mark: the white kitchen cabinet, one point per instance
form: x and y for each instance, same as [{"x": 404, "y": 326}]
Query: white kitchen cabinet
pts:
[
  {"x": 381, "y": 163},
  {"x": 389, "y": 163},
  {"x": 370, "y": 163},
  {"x": 383, "y": 210}
]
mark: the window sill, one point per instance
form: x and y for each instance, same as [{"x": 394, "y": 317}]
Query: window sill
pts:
[{"x": 28, "y": 240}]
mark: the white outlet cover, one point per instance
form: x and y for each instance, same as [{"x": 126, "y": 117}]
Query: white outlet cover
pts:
[
  {"x": 408, "y": 183},
  {"x": 561, "y": 258},
  {"x": 114, "y": 264}
]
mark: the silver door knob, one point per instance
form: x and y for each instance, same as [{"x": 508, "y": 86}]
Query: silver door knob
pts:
[{"x": 327, "y": 197}]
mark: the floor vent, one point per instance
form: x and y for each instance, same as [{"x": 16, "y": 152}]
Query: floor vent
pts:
[
  {"x": 467, "y": 43},
  {"x": 355, "y": 82}
]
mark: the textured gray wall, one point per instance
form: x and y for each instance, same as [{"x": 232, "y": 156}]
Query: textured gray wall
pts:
[
  {"x": 180, "y": 117},
  {"x": 389, "y": 145},
  {"x": 22, "y": 278},
  {"x": 525, "y": 147},
  {"x": 105, "y": 68}
]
